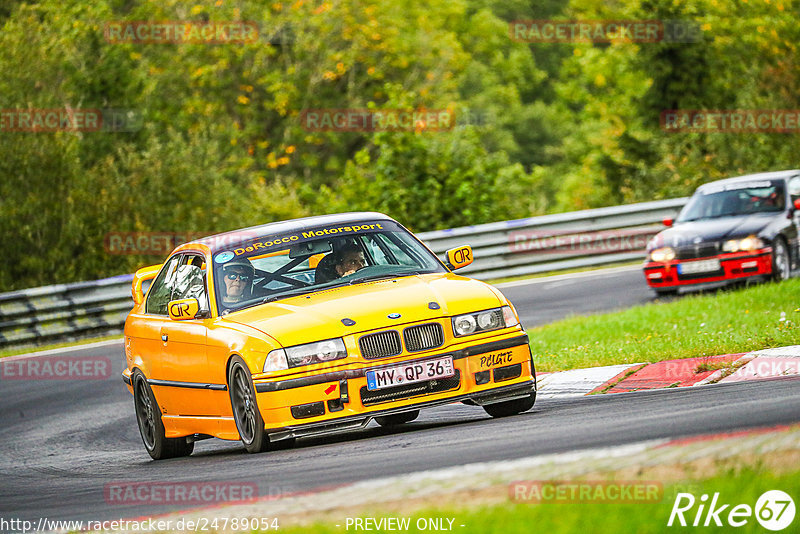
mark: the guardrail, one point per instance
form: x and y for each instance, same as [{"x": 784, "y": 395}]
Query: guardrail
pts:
[
  {"x": 502, "y": 249},
  {"x": 557, "y": 242}
]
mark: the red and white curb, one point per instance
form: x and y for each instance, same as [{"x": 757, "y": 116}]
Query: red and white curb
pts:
[
  {"x": 769, "y": 363},
  {"x": 577, "y": 382}
]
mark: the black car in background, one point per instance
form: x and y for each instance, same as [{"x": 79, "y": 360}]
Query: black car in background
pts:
[{"x": 730, "y": 230}]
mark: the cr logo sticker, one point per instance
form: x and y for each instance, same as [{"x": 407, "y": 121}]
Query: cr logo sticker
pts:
[{"x": 180, "y": 310}]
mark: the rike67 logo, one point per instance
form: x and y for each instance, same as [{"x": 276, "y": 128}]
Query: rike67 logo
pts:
[{"x": 774, "y": 510}]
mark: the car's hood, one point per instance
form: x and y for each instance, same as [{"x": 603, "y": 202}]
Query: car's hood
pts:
[
  {"x": 706, "y": 230},
  {"x": 318, "y": 316}
]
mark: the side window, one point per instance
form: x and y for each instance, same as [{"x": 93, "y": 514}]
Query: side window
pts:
[
  {"x": 379, "y": 255},
  {"x": 190, "y": 281},
  {"x": 159, "y": 295},
  {"x": 401, "y": 256},
  {"x": 183, "y": 278},
  {"x": 794, "y": 188}
]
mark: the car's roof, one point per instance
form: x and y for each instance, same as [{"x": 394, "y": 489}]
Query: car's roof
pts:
[
  {"x": 776, "y": 175},
  {"x": 226, "y": 240}
]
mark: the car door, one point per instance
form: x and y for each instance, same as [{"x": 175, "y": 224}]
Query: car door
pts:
[{"x": 180, "y": 375}]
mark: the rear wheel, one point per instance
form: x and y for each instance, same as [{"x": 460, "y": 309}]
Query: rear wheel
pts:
[
  {"x": 397, "y": 418},
  {"x": 780, "y": 260},
  {"x": 513, "y": 407},
  {"x": 245, "y": 409},
  {"x": 148, "y": 416}
]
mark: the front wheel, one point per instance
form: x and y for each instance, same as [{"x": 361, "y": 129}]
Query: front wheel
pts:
[
  {"x": 397, "y": 418},
  {"x": 151, "y": 427},
  {"x": 513, "y": 407},
  {"x": 245, "y": 410},
  {"x": 780, "y": 260}
]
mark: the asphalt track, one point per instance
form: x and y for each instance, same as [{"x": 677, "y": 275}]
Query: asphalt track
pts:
[
  {"x": 64, "y": 441},
  {"x": 544, "y": 300}
]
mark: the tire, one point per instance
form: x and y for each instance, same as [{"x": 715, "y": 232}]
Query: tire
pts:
[
  {"x": 397, "y": 418},
  {"x": 151, "y": 427},
  {"x": 513, "y": 407},
  {"x": 246, "y": 414},
  {"x": 781, "y": 262}
]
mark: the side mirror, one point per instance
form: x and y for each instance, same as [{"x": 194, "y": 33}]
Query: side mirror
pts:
[
  {"x": 184, "y": 309},
  {"x": 667, "y": 221},
  {"x": 142, "y": 275},
  {"x": 459, "y": 257}
]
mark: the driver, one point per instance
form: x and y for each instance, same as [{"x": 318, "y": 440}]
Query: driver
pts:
[
  {"x": 237, "y": 277},
  {"x": 349, "y": 259}
]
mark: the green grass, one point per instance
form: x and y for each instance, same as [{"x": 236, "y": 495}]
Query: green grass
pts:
[
  {"x": 730, "y": 321},
  {"x": 741, "y": 487}
]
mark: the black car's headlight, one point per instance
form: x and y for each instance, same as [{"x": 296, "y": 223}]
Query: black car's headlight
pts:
[
  {"x": 747, "y": 244},
  {"x": 662, "y": 254},
  {"x": 484, "y": 321},
  {"x": 306, "y": 354}
]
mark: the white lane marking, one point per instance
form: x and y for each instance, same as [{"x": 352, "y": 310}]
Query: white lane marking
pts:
[
  {"x": 62, "y": 350},
  {"x": 792, "y": 351},
  {"x": 557, "y": 277},
  {"x": 560, "y": 283}
]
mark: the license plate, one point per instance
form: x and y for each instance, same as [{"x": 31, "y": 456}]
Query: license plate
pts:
[
  {"x": 410, "y": 373},
  {"x": 704, "y": 266}
]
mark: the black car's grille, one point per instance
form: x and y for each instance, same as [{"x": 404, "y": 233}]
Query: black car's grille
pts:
[
  {"x": 380, "y": 345},
  {"x": 423, "y": 337},
  {"x": 707, "y": 274},
  {"x": 701, "y": 250},
  {"x": 409, "y": 390}
]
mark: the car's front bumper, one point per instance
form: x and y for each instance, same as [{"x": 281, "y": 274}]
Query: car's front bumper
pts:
[
  {"x": 492, "y": 371},
  {"x": 732, "y": 267}
]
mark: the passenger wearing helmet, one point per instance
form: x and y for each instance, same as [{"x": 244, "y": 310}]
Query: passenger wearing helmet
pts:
[{"x": 237, "y": 279}]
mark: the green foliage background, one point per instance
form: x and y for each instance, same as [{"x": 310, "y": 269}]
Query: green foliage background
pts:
[{"x": 221, "y": 146}]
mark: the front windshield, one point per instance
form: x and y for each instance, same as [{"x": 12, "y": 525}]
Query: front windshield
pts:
[
  {"x": 729, "y": 200},
  {"x": 273, "y": 267}
]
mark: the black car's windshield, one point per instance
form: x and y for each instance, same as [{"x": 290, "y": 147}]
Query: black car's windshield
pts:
[
  {"x": 727, "y": 200},
  {"x": 272, "y": 267}
]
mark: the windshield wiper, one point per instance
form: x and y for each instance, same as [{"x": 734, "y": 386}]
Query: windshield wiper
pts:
[
  {"x": 287, "y": 294},
  {"x": 382, "y": 276},
  {"x": 372, "y": 278}
]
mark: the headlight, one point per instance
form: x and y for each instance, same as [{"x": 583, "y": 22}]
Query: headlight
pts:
[
  {"x": 662, "y": 254},
  {"x": 747, "y": 244},
  {"x": 276, "y": 361},
  {"x": 307, "y": 354},
  {"x": 483, "y": 321}
]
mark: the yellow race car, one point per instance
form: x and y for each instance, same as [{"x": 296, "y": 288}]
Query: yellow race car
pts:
[{"x": 314, "y": 325}]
